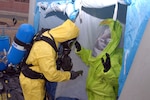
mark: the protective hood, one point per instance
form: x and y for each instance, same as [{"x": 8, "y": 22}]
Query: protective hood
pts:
[
  {"x": 67, "y": 31},
  {"x": 101, "y": 42},
  {"x": 114, "y": 29}
]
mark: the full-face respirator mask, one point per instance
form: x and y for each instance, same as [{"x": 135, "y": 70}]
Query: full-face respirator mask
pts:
[{"x": 64, "y": 61}]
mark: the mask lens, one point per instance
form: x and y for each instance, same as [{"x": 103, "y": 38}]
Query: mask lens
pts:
[{"x": 71, "y": 43}]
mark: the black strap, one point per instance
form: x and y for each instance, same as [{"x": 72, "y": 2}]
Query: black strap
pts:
[
  {"x": 25, "y": 68},
  {"x": 50, "y": 41},
  {"x": 25, "y": 45},
  {"x": 27, "y": 72}
]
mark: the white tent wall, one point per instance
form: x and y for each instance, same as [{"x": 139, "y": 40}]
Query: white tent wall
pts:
[{"x": 89, "y": 30}]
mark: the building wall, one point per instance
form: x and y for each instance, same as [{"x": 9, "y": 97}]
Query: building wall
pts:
[{"x": 21, "y": 6}]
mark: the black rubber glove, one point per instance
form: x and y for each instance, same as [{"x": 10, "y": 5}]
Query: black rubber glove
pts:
[
  {"x": 106, "y": 64},
  {"x": 74, "y": 74},
  {"x": 78, "y": 46}
]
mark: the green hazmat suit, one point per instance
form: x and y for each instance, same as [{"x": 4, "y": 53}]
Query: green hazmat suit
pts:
[
  {"x": 43, "y": 58},
  {"x": 100, "y": 85}
]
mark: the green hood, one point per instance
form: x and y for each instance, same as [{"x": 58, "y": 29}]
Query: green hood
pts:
[
  {"x": 100, "y": 85},
  {"x": 115, "y": 36}
]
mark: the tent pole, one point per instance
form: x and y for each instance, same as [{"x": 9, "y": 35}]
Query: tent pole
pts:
[{"x": 31, "y": 11}]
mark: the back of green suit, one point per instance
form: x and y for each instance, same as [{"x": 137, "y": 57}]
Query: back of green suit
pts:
[{"x": 102, "y": 85}]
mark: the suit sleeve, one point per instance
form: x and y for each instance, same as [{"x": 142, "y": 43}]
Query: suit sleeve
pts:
[{"x": 84, "y": 54}]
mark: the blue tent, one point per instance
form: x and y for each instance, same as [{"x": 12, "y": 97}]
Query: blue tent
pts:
[{"x": 138, "y": 14}]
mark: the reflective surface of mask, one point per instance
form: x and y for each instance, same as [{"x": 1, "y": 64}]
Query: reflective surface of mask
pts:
[{"x": 101, "y": 42}]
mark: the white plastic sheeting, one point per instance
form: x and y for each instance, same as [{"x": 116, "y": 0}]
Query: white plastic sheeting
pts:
[{"x": 100, "y": 3}]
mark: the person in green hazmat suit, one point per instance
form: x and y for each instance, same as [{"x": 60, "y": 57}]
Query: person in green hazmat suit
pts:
[
  {"x": 43, "y": 59},
  {"x": 104, "y": 62}
]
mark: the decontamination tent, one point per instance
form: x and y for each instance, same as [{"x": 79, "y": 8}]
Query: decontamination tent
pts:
[{"x": 135, "y": 21}]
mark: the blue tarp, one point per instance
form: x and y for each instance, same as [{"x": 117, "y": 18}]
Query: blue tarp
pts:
[
  {"x": 37, "y": 13},
  {"x": 138, "y": 14}
]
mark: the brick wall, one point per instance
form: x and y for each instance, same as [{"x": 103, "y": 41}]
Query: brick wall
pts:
[{"x": 15, "y": 5}]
